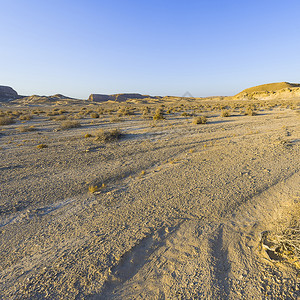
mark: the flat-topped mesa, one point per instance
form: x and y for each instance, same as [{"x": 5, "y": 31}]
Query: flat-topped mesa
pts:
[
  {"x": 100, "y": 98},
  {"x": 7, "y": 93},
  {"x": 115, "y": 97}
]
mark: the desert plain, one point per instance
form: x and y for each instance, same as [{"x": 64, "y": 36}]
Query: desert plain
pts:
[{"x": 167, "y": 198}]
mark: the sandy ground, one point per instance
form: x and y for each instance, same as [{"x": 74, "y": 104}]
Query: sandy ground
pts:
[{"x": 180, "y": 214}]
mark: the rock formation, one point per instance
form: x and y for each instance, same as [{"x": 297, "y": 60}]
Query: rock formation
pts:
[
  {"x": 115, "y": 97},
  {"x": 7, "y": 93}
]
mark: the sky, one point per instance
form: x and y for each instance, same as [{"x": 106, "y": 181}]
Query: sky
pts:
[{"x": 204, "y": 47}]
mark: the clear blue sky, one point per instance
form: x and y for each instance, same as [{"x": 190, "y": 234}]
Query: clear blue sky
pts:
[{"x": 206, "y": 47}]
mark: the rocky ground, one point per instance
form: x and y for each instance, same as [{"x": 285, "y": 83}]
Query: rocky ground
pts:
[{"x": 171, "y": 210}]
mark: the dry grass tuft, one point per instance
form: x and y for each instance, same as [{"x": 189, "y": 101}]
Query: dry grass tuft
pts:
[
  {"x": 42, "y": 146},
  {"x": 6, "y": 121},
  {"x": 69, "y": 124},
  {"x": 283, "y": 243},
  {"x": 25, "y": 117},
  {"x": 159, "y": 115},
  {"x": 250, "y": 112},
  {"x": 94, "y": 115},
  {"x": 26, "y": 128},
  {"x": 199, "y": 120},
  {"x": 93, "y": 189},
  {"x": 108, "y": 135},
  {"x": 225, "y": 113}
]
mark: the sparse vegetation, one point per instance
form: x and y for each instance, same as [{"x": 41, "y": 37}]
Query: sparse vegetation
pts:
[
  {"x": 25, "y": 117},
  {"x": 108, "y": 135},
  {"x": 26, "y": 128},
  {"x": 159, "y": 114},
  {"x": 6, "y": 121},
  {"x": 93, "y": 189},
  {"x": 42, "y": 146},
  {"x": 94, "y": 115},
  {"x": 225, "y": 113},
  {"x": 250, "y": 112},
  {"x": 69, "y": 124},
  {"x": 199, "y": 120}
]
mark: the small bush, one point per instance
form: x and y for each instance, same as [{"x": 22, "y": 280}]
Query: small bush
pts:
[
  {"x": 250, "y": 112},
  {"x": 199, "y": 120},
  {"x": 185, "y": 114},
  {"x": 25, "y": 117},
  {"x": 124, "y": 111},
  {"x": 6, "y": 121},
  {"x": 69, "y": 124},
  {"x": 225, "y": 114},
  {"x": 108, "y": 135},
  {"x": 146, "y": 110},
  {"x": 52, "y": 113},
  {"x": 26, "y": 128},
  {"x": 114, "y": 119},
  {"x": 87, "y": 135},
  {"x": 41, "y": 146},
  {"x": 60, "y": 118},
  {"x": 94, "y": 115},
  {"x": 159, "y": 115},
  {"x": 93, "y": 189}
]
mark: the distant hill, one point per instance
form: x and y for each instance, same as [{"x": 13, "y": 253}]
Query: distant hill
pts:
[
  {"x": 7, "y": 93},
  {"x": 54, "y": 99},
  {"x": 271, "y": 91},
  {"x": 116, "y": 97}
]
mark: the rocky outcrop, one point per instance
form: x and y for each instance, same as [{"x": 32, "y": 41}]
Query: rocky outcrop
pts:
[
  {"x": 7, "y": 93},
  {"x": 115, "y": 97},
  {"x": 100, "y": 98}
]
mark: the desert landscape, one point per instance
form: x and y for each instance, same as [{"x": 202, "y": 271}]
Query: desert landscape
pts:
[{"x": 131, "y": 196}]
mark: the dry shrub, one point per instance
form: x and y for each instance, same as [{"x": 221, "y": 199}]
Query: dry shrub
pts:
[
  {"x": 114, "y": 119},
  {"x": 93, "y": 189},
  {"x": 199, "y": 120},
  {"x": 42, "y": 146},
  {"x": 125, "y": 111},
  {"x": 69, "y": 124},
  {"x": 94, "y": 115},
  {"x": 59, "y": 118},
  {"x": 52, "y": 113},
  {"x": 108, "y": 135},
  {"x": 25, "y": 117},
  {"x": 26, "y": 128},
  {"x": 6, "y": 121},
  {"x": 159, "y": 114},
  {"x": 283, "y": 242},
  {"x": 185, "y": 114},
  {"x": 250, "y": 112},
  {"x": 225, "y": 113}
]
